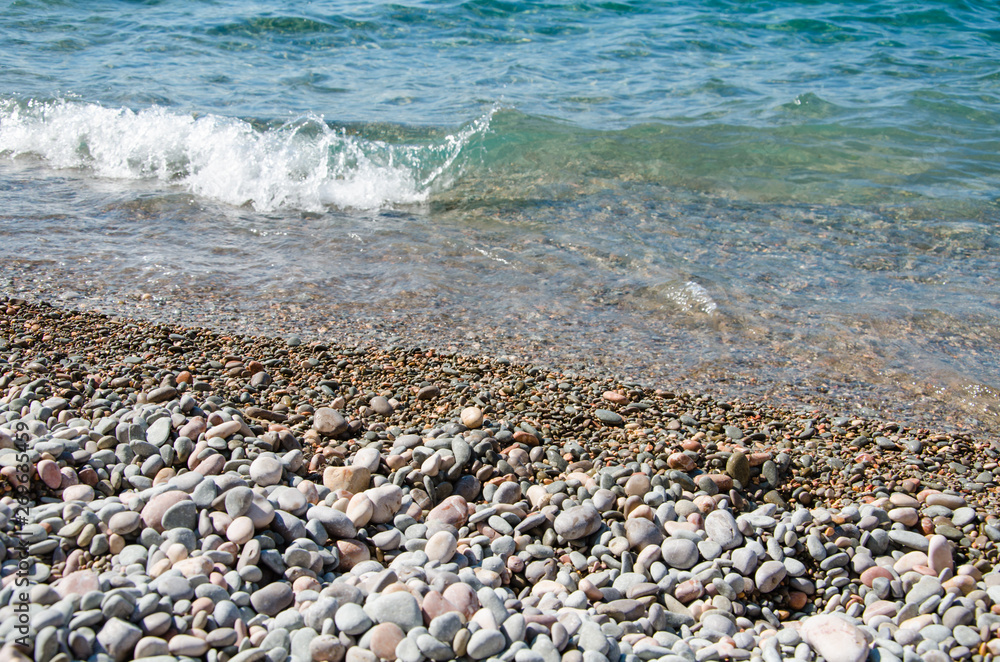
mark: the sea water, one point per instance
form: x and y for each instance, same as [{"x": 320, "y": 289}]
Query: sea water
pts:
[{"x": 789, "y": 200}]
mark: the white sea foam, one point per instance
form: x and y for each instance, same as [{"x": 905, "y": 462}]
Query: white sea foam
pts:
[{"x": 304, "y": 164}]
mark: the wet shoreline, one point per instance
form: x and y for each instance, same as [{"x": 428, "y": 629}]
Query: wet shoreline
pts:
[{"x": 797, "y": 380}]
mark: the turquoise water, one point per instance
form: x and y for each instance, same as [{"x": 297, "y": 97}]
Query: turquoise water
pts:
[{"x": 797, "y": 200}]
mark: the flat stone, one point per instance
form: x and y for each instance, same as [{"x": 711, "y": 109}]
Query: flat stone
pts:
[
  {"x": 161, "y": 394},
  {"x": 352, "y": 479},
  {"x": 174, "y": 587},
  {"x": 369, "y": 458},
  {"x": 454, "y": 510},
  {"x": 241, "y": 530},
  {"x": 905, "y": 516},
  {"x": 223, "y": 430},
  {"x": 80, "y": 583},
  {"x": 434, "y": 649},
  {"x": 381, "y": 405},
  {"x": 428, "y": 392},
  {"x": 462, "y": 598},
  {"x": 325, "y": 648},
  {"x": 352, "y": 552},
  {"x": 399, "y": 608},
  {"x": 592, "y": 637},
  {"x": 445, "y": 626},
  {"x": 238, "y": 500},
  {"x": 151, "y": 647},
  {"x": 83, "y": 493},
  {"x": 681, "y": 462},
  {"x": 744, "y": 561},
  {"x": 638, "y": 484},
  {"x": 609, "y": 418},
  {"x": 950, "y": 501},
  {"x": 337, "y": 524},
  {"x": 870, "y": 574},
  {"x": 388, "y": 540},
  {"x": 909, "y": 539},
  {"x": 925, "y": 588},
  {"x": 623, "y": 609},
  {"x": 508, "y": 492},
  {"x": 835, "y": 638},
  {"x": 152, "y": 513},
  {"x": 360, "y": 510},
  {"x": 181, "y": 515},
  {"x": 124, "y": 523}
]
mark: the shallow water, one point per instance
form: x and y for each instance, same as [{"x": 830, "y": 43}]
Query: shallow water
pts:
[{"x": 786, "y": 200}]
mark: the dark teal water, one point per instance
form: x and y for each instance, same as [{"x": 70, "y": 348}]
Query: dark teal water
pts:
[{"x": 796, "y": 200}]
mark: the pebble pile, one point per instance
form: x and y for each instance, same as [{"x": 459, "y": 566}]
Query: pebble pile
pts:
[{"x": 201, "y": 496}]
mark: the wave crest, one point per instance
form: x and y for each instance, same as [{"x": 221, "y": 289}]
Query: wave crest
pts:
[{"x": 304, "y": 164}]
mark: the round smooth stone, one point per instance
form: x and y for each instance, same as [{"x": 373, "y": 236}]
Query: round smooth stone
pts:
[
  {"x": 176, "y": 588},
  {"x": 272, "y": 599},
  {"x": 187, "y": 645},
  {"x": 679, "y": 553},
  {"x": 266, "y": 471},
  {"x": 388, "y": 540},
  {"x": 384, "y": 639},
  {"x": 381, "y": 405},
  {"x": 578, "y": 522},
  {"x": 485, "y": 643},
  {"x": 721, "y": 526},
  {"x": 241, "y": 531},
  {"x": 49, "y": 472},
  {"x": 472, "y": 417},
  {"x": 352, "y": 552},
  {"x": 369, "y": 458},
  {"x": 738, "y": 467},
  {"x": 769, "y": 575},
  {"x": 386, "y": 502},
  {"x": 638, "y": 484},
  {"x": 441, "y": 546},
  {"x": 325, "y": 648},
  {"x": 641, "y": 533},
  {"x": 124, "y": 523},
  {"x": 352, "y": 619},
  {"x": 338, "y": 525},
  {"x": 83, "y": 493}
]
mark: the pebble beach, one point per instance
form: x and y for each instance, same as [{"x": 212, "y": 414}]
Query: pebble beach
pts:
[{"x": 176, "y": 493}]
